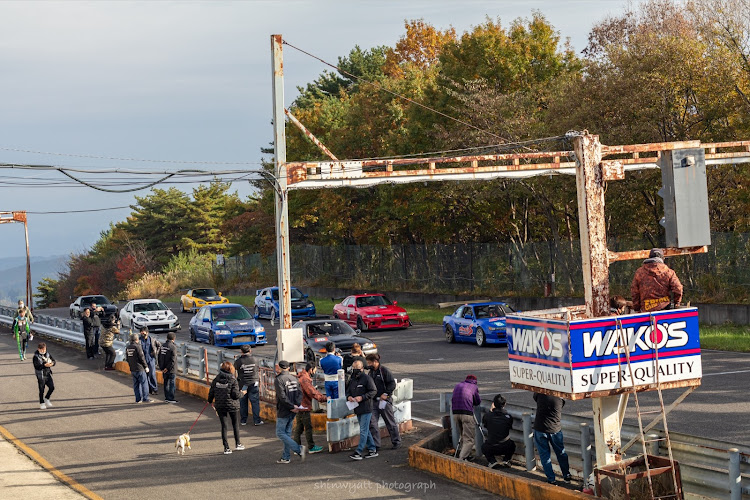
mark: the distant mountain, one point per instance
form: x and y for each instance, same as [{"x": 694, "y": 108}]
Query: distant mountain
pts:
[{"x": 13, "y": 277}]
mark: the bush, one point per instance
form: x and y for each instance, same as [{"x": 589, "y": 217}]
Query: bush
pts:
[{"x": 184, "y": 270}]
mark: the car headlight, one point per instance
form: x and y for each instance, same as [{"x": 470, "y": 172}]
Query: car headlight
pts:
[
  {"x": 260, "y": 329},
  {"x": 369, "y": 345},
  {"x": 403, "y": 314},
  {"x": 199, "y": 301},
  {"x": 223, "y": 332},
  {"x": 374, "y": 316},
  {"x": 495, "y": 328}
]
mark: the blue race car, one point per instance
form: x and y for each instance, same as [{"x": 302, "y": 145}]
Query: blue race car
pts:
[
  {"x": 267, "y": 304},
  {"x": 226, "y": 325},
  {"x": 483, "y": 323}
]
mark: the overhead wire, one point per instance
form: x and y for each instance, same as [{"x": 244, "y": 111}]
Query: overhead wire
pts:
[{"x": 77, "y": 211}]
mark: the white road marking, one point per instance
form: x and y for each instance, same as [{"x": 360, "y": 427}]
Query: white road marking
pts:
[
  {"x": 436, "y": 359},
  {"x": 431, "y": 422},
  {"x": 725, "y": 373}
]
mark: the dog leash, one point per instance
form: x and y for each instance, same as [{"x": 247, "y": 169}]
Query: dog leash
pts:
[{"x": 199, "y": 416}]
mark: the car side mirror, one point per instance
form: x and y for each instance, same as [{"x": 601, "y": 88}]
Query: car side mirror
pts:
[
  {"x": 268, "y": 298},
  {"x": 220, "y": 294},
  {"x": 395, "y": 302},
  {"x": 206, "y": 320},
  {"x": 350, "y": 305},
  {"x": 357, "y": 331},
  {"x": 305, "y": 296}
]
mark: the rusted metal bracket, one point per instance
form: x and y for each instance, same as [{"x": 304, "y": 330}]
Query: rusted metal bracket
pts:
[
  {"x": 658, "y": 419},
  {"x": 612, "y": 170},
  {"x": 643, "y": 254},
  {"x": 310, "y": 135}
]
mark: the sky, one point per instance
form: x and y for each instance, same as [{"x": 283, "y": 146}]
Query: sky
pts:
[{"x": 179, "y": 81}]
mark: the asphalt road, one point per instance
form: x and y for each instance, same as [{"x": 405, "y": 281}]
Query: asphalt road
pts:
[{"x": 716, "y": 410}]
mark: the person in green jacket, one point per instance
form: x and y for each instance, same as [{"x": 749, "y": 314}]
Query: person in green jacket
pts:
[{"x": 22, "y": 332}]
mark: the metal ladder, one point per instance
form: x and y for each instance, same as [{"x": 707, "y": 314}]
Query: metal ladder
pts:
[{"x": 623, "y": 345}]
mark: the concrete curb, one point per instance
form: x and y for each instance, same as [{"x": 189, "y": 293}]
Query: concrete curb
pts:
[{"x": 423, "y": 456}]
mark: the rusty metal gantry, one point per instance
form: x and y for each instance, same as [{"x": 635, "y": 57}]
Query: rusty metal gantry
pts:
[
  {"x": 593, "y": 164},
  {"x": 8, "y": 217}
]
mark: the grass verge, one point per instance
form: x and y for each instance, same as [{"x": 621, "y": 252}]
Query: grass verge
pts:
[{"x": 725, "y": 338}]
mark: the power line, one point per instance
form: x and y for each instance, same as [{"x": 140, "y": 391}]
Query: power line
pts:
[
  {"x": 74, "y": 155},
  {"x": 396, "y": 94},
  {"x": 78, "y": 211}
]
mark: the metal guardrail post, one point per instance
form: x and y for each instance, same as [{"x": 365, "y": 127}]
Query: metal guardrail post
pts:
[
  {"x": 220, "y": 359},
  {"x": 735, "y": 478},
  {"x": 586, "y": 451},
  {"x": 528, "y": 441},
  {"x": 202, "y": 364},
  {"x": 454, "y": 427},
  {"x": 184, "y": 358},
  {"x": 478, "y": 436},
  {"x": 341, "y": 379},
  {"x": 205, "y": 366}
]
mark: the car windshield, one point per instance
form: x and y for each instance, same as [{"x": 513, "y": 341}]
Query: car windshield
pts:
[
  {"x": 204, "y": 293},
  {"x": 149, "y": 306},
  {"x": 492, "y": 311},
  {"x": 97, "y": 299},
  {"x": 373, "y": 300},
  {"x": 296, "y": 294},
  {"x": 329, "y": 328},
  {"x": 230, "y": 313}
]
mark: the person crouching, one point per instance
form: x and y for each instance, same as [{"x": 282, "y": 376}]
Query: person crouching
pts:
[{"x": 498, "y": 423}]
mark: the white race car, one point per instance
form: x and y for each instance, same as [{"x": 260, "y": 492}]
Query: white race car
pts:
[{"x": 151, "y": 313}]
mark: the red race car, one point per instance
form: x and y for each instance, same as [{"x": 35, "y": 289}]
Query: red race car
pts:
[{"x": 371, "y": 311}]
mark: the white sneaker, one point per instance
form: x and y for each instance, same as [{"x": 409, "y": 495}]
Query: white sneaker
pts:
[
  {"x": 48, "y": 403},
  {"x": 42, "y": 406}
]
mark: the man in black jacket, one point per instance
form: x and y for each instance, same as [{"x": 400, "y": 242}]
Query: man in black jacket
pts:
[
  {"x": 498, "y": 423},
  {"x": 288, "y": 399},
  {"x": 43, "y": 363},
  {"x": 548, "y": 431},
  {"x": 360, "y": 390},
  {"x": 88, "y": 332},
  {"x": 96, "y": 323},
  {"x": 247, "y": 376},
  {"x": 138, "y": 368},
  {"x": 168, "y": 365},
  {"x": 382, "y": 405}
]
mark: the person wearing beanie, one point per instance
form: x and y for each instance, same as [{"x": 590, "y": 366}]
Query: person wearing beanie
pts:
[
  {"x": 655, "y": 286},
  {"x": 247, "y": 376},
  {"x": 465, "y": 398},
  {"x": 498, "y": 423}
]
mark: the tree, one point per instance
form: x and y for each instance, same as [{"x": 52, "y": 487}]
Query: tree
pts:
[
  {"x": 420, "y": 47},
  {"x": 46, "y": 292}
]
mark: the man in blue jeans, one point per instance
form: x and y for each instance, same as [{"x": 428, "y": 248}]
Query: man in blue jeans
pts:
[
  {"x": 288, "y": 399},
  {"x": 361, "y": 389},
  {"x": 168, "y": 365},
  {"x": 548, "y": 431},
  {"x": 138, "y": 368},
  {"x": 247, "y": 376}
]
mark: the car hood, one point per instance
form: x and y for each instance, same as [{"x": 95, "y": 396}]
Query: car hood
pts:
[
  {"x": 241, "y": 325},
  {"x": 213, "y": 298},
  {"x": 343, "y": 342},
  {"x": 382, "y": 309},
  {"x": 108, "y": 307},
  {"x": 153, "y": 315}
]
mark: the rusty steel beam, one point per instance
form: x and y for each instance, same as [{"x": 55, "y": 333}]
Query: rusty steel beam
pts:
[
  {"x": 653, "y": 146},
  {"x": 310, "y": 135},
  {"x": 643, "y": 254},
  {"x": 8, "y": 217}
]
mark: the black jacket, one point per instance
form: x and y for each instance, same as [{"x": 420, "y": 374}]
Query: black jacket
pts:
[
  {"x": 548, "y": 413},
  {"x": 288, "y": 394},
  {"x": 247, "y": 370},
  {"x": 39, "y": 361},
  {"x": 168, "y": 357},
  {"x": 384, "y": 381},
  {"x": 362, "y": 386},
  {"x": 88, "y": 325},
  {"x": 225, "y": 391},
  {"x": 134, "y": 355},
  {"x": 498, "y": 423}
]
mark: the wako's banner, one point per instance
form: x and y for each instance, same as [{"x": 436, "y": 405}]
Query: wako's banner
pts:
[{"x": 580, "y": 357}]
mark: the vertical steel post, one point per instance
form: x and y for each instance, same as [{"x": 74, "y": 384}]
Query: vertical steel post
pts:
[
  {"x": 590, "y": 186},
  {"x": 28, "y": 264},
  {"x": 586, "y": 451},
  {"x": 455, "y": 436},
  {"x": 282, "y": 193},
  {"x": 528, "y": 441},
  {"x": 735, "y": 478},
  {"x": 184, "y": 357},
  {"x": 478, "y": 436}
]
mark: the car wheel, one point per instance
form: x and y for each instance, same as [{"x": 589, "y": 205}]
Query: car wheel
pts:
[
  {"x": 182, "y": 307},
  {"x": 360, "y": 324},
  {"x": 481, "y": 338},
  {"x": 449, "y": 336},
  {"x": 192, "y": 335},
  {"x": 72, "y": 315},
  {"x": 211, "y": 339},
  {"x": 310, "y": 356},
  {"x": 256, "y": 312},
  {"x": 335, "y": 315}
]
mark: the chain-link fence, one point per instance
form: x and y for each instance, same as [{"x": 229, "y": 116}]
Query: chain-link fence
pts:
[{"x": 501, "y": 269}]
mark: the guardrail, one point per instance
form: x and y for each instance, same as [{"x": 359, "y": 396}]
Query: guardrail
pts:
[{"x": 709, "y": 468}]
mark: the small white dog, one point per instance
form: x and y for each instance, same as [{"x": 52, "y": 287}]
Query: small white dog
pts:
[{"x": 182, "y": 443}]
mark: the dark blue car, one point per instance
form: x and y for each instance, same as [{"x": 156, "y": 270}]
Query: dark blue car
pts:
[
  {"x": 481, "y": 323},
  {"x": 267, "y": 304},
  {"x": 226, "y": 325}
]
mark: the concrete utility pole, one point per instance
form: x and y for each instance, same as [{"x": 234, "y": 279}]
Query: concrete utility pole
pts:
[
  {"x": 282, "y": 193},
  {"x": 590, "y": 185}
]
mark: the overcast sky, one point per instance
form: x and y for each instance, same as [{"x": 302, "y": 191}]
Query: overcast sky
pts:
[{"x": 181, "y": 81}]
